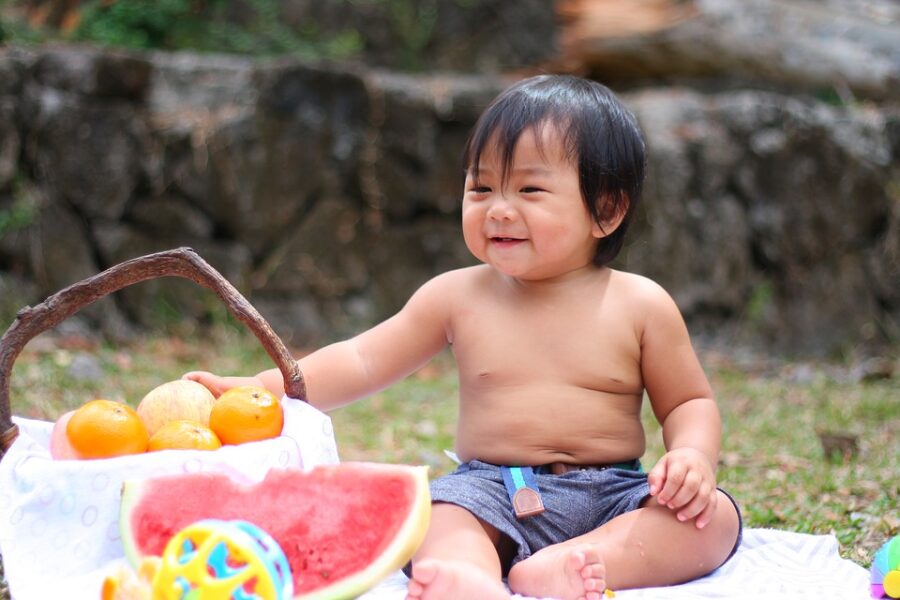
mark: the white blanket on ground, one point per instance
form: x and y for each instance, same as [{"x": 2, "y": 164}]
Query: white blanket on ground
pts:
[
  {"x": 53, "y": 547},
  {"x": 770, "y": 565}
]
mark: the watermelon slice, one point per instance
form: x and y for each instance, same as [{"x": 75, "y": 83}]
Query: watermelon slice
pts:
[{"x": 342, "y": 527}]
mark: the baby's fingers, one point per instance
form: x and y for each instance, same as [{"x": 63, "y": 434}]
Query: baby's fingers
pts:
[
  {"x": 198, "y": 376},
  {"x": 675, "y": 474},
  {"x": 212, "y": 382},
  {"x": 708, "y": 511},
  {"x": 657, "y": 477},
  {"x": 690, "y": 486},
  {"x": 698, "y": 504}
]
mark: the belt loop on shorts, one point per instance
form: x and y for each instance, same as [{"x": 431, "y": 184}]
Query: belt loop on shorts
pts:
[{"x": 523, "y": 491}]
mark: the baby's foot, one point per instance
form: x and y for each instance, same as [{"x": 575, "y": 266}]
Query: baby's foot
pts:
[
  {"x": 450, "y": 580},
  {"x": 571, "y": 572}
]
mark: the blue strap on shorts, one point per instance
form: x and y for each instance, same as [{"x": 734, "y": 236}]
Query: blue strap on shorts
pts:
[{"x": 523, "y": 491}]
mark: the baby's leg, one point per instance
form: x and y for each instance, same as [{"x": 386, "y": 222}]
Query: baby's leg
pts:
[
  {"x": 458, "y": 559},
  {"x": 642, "y": 548}
]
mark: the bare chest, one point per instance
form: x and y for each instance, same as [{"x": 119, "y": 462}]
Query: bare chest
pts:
[{"x": 586, "y": 346}]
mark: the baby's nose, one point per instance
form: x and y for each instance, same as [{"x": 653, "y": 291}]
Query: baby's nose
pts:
[{"x": 501, "y": 209}]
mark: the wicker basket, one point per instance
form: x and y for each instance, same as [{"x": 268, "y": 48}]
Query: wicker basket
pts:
[{"x": 179, "y": 262}]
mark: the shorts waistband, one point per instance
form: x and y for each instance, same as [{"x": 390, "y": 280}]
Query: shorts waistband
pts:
[{"x": 561, "y": 468}]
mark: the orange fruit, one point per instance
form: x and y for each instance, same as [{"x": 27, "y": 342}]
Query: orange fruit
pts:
[
  {"x": 246, "y": 414},
  {"x": 104, "y": 428},
  {"x": 184, "y": 435}
]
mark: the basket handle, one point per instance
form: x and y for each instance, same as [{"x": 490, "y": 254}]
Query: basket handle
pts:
[{"x": 179, "y": 262}]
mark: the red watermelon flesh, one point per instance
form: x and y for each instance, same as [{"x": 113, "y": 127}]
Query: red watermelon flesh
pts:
[{"x": 343, "y": 526}]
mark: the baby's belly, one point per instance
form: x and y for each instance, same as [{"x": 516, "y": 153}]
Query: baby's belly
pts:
[{"x": 575, "y": 426}]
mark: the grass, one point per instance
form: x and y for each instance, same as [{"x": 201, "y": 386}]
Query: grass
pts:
[{"x": 772, "y": 459}]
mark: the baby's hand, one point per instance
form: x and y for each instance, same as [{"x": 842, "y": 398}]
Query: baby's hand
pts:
[
  {"x": 217, "y": 384},
  {"x": 684, "y": 481}
]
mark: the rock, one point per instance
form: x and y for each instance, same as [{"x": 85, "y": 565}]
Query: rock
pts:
[
  {"x": 61, "y": 254},
  {"x": 756, "y": 198},
  {"x": 89, "y": 153},
  {"x": 696, "y": 222},
  {"x": 163, "y": 301},
  {"x": 418, "y": 139},
  {"x": 16, "y": 292},
  {"x": 10, "y": 142},
  {"x": 326, "y": 255},
  {"x": 429, "y": 245},
  {"x": 186, "y": 83},
  {"x": 170, "y": 219},
  {"x": 296, "y": 320},
  {"x": 86, "y": 70},
  {"x": 848, "y": 48},
  {"x": 266, "y": 169},
  {"x": 15, "y": 64}
]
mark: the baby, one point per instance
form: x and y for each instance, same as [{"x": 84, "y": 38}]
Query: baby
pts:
[{"x": 555, "y": 351}]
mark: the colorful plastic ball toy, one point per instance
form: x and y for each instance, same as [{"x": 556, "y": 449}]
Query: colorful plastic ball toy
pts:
[
  {"x": 885, "y": 580},
  {"x": 223, "y": 560}
]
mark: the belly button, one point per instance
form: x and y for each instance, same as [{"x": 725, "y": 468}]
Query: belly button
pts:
[{"x": 483, "y": 373}]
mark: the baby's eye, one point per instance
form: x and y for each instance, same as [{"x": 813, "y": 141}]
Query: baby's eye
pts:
[
  {"x": 530, "y": 189},
  {"x": 480, "y": 189}
]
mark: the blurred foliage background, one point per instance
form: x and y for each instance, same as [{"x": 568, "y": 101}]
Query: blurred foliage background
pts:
[
  {"x": 248, "y": 27},
  {"x": 394, "y": 32}
]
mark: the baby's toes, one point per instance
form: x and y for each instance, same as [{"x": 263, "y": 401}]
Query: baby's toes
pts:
[
  {"x": 591, "y": 554},
  {"x": 593, "y": 571}
]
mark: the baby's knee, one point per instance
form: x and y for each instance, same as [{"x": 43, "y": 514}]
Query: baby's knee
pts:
[{"x": 725, "y": 528}]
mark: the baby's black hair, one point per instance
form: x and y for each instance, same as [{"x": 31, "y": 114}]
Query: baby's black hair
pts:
[{"x": 600, "y": 135}]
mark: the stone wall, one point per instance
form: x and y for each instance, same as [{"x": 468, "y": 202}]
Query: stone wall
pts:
[{"x": 328, "y": 194}]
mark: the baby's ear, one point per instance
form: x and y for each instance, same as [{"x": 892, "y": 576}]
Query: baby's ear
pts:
[{"x": 612, "y": 212}]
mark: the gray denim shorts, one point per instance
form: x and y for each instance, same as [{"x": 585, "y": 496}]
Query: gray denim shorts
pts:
[{"x": 575, "y": 503}]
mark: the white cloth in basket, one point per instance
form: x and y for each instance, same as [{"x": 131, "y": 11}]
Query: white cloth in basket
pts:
[{"x": 59, "y": 528}]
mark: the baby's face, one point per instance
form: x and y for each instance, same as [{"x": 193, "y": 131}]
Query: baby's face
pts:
[{"x": 535, "y": 225}]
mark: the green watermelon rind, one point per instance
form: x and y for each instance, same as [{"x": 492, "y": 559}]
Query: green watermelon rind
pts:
[
  {"x": 131, "y": 495},
  {"x": 406, "y": 541}
]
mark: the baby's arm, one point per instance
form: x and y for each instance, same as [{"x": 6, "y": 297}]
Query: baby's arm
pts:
[
  {"x": 684, "y": 478},
  {"x": 345, "y": 371}
]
